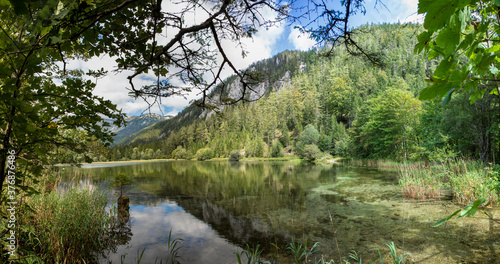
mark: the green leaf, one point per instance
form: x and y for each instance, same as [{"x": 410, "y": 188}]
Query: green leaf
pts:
[
  {"x": 493, "y": 48},
  {"x": 437, "y": 89},
  {"x": 476, "y": 95},
  {"x": 471, "y": 209},
  {"x": 5, "y": 3},
  {"x": 493, "y": 69},
  {"x": 443, "y": 68},
  {"x": 55, "y": 39},
  {"x": 440, "y": 222},
  {"x": 423, "y": 40},
  {"x": 448, "y": 39},
  {"x": 448, "y": 97},
  {"x": 439, "y": 12},
  {"x": 61, "y": 11}
]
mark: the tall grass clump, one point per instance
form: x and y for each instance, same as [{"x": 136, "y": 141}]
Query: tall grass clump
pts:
[
  {"x": 419, "y": 182},
  {"x": 69, "y": 227},
  {"x": 474, "y": 182},
  {"x": 466, "y": 180}
]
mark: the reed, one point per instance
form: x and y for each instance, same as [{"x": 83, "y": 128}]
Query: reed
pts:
[
  {"x": 69, "y": 227},
  {"x": 420, "y": 182},
  {"x": 467, "y": 180}
]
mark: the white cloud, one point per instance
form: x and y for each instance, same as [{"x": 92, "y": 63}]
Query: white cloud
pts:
[
  {"x": 258, "y": 47},
  {"x": 300, "y": 41},
  {"x": 402, "y": 11}
]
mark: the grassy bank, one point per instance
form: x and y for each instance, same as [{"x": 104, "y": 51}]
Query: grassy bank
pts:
[
  {"x": 465, "y": 181},
  {"x": 71, "y": 226}
]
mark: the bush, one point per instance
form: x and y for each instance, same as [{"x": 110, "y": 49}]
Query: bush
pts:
[
  {"x": 69, "y": 227},
  {"x": 311, "y": 152},
  {"x": 309, "y": 136},
  {"x": 180, "y": 153},
  {"x": 204, "y": 154},
  {"x": 234, "y": 155}
]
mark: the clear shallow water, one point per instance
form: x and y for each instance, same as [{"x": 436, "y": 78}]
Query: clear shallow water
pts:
[{"x": 218, "y": 207}]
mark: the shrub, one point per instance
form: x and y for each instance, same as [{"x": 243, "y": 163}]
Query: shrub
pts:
[
  {"x": 234, "y": 155},
  {"x": 180, "y": 153},
  {"x": 204, "y": 154},
  {"x": 309, "y": 136},
  {"x": 311, "y": 152}
]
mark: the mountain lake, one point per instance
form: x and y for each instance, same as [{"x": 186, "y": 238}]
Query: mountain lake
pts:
[{"x": 218, "y": 207}]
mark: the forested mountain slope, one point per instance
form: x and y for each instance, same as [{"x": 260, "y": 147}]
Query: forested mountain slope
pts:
[{"x": 342, "y": 104}]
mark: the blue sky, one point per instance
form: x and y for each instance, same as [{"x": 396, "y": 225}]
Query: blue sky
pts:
[{"x": 264, "y": 44}]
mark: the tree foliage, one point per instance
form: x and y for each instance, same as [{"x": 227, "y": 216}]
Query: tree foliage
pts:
[
  {"x": 386, "y": 127},
  {"x": 464, "y": 34},
  {"x": 119, "y": 181}
]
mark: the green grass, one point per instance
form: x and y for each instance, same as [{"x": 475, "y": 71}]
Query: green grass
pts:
[
  {"x": 69, "y": 227},
  {"x": 466, "y": 180},
  {"x": 420, "y": 182}
]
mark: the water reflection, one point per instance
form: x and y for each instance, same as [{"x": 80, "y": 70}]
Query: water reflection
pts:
[
  {"x": 151, "y": 226},
  {"x": 218, "y": 207}
]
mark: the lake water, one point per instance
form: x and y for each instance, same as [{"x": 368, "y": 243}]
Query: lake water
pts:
[{"x": 219, "y": 207}]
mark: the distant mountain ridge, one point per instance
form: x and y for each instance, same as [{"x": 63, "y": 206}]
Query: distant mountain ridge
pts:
[{"x": 135, "y": 124}]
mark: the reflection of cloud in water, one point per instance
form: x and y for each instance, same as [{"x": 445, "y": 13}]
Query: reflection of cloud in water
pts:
[{"x": 150, "y": 229}]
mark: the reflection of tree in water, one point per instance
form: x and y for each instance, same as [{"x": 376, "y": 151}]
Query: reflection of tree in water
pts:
[
  {"x": 235, "y": 199},
  {"x": 120, "y": 231}
]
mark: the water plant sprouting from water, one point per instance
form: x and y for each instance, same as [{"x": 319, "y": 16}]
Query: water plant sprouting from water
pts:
[
  {"x": 173, "y": 247},
  {"x": 253, "y": 255},
  {"x": 420, "y": 182},
  {"x": 301, "y": 253}
]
